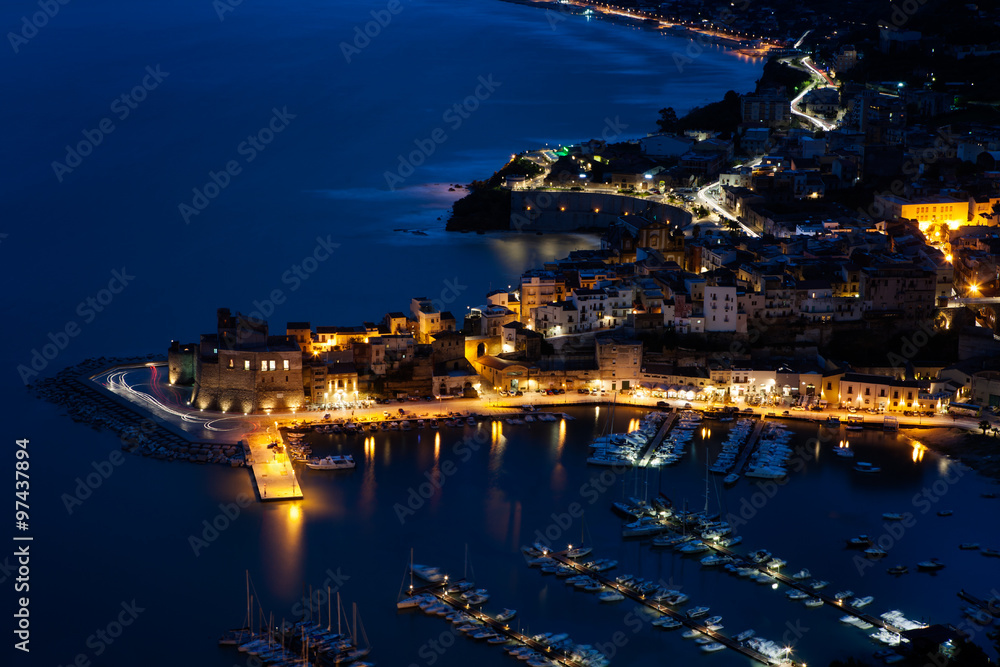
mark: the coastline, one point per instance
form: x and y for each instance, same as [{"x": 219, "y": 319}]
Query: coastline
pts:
[
  {"x": 681, "y": 31},
  {"x": 975, "y": 450}
]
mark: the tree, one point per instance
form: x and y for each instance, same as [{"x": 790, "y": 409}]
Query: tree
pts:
[
  {"x": 667, "y": 120},
  {"x": 985, "y": 425}
]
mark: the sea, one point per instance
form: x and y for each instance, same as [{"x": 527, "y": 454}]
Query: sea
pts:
[{"x": 297, "y": 159}]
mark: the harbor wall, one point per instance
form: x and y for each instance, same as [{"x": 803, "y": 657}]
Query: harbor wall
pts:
[{"x": 551, "y": 211}]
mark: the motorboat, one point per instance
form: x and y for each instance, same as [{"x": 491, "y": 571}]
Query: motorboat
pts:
[
  {"x": 802, "y": 574},
  {"x": 331, "y": 463},
  {"x": 610, "y": 596},
  {"x": 843, "y": 595},
  {"x": 898, "y": 569},
  {"x": 578, "y": 552},
  {"x": 859, "y": 541},
  {"x": 892, "y": 516},
  {"x": 813, "y": 602},
  {"x": 745, "y": 635},
  {"x": 713, "y": 647},
  {"x": 862, "y": 466},
  {"x": 858, "y": 603},
  {"x": 931, "y": 565},
  {"x": 875, "y": 552},
  {"x": 730, "y": 479},
  {"x": 697, "y": 611},
  {"x": 667, "y": 623}
]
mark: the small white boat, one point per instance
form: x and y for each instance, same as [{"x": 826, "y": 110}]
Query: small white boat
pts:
[
  {"x": 331, "y": 463},
  {"x": 802, "y": 574},
  {"x": 858, "y": 603},
  {"x": 506, "y": 615},
  {"x": 892, "y": 516},
  {"x": 730, "y": 479},
  {"x": 697, "y": 611},
  {"x": 930, "y": 565},
  {"x": 813, "y": 602},
  {"x": 713, "y": 647},
  {"x": 578, "y": 552},
  {"x": 610, "y": 596},
  {"x": 843, "y": 595}
]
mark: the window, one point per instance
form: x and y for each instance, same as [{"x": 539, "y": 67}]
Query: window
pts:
[
  {"x": 829, "y": 386},
  {"x": 231, "y": 363},
  {"x": 286, "y": 364},
  {"x": 246, "y": 364},
  {"x": 895, "y": 395},
  {"x": 263, "y": 364},
  {"x": 868, "y": 391},
  {"x": 850, "y": 391},
  {"x": 273, "y": 365}
]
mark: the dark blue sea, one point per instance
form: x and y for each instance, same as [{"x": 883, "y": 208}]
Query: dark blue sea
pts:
[{"x": 163, "y": 160}]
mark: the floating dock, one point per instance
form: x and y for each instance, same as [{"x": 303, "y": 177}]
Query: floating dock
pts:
[
  {"x": 749, "y": 447},
  {"x": 438, "y": 591},
  {"x": 688, "y": 622},
  {"x": 655, "y": 441}
]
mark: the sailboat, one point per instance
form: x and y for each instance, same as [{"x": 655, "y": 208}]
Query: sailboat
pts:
[
  {"x": 411, "y": 600},
  {"x": 240, "y": 635},
  {"x": 581, "y": 550}
]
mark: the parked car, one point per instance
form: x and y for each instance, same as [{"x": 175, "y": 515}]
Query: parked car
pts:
[
  {"x": 583, "y": 390},
  {"x": 502, "y": 392},
  {"x": 662, "y": 404},
  {"x": 797, "y": 407},
  {"x": 786, "y": 413},
  {"x": 687, "y": 406},
  {"x": 519, "y": 393}
]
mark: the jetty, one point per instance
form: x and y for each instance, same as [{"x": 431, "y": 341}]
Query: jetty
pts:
[
  {"x": 749, "y": 447},
  {"x": 693, "y": 624},
  {"x": 653, "y": 444},
  {"x": 273, "y": 475},
  {"x": 500, "y": 627}
]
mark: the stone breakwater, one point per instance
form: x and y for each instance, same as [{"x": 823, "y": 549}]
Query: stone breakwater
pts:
[{"x": 139, "y": 434}]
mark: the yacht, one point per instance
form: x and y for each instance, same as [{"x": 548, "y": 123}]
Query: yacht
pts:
[
  {"x": 875, "y": 552},
  {"x": 843, "y": 595},
  {"x": 578, "y": 552},
  {"x": 931, "y": 565},
  {"x": 331, "y": 463},
  {"x": 506, "y": 615},
  {"x": 859, "y": 541},
  {"x": 667, "y": 623},
  {"x": 813, "y": 602},
  {"x": 801, "y": 574},
  {"x": 610, "y": 596},
  {"x": 713, "y": 647},
  {"x": 858, "y": 603},
  {"x": 697, "y": 611}
]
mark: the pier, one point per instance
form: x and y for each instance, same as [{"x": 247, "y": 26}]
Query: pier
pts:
[
  {"x": 273, "y": 475},
  {"x": 654, "y": 442},
  {"x": 843, "y": 605},
  {"x": 749, "y": 447},
  {"x": 688, "y": 622},
  {"x": 502, "y": 628}
]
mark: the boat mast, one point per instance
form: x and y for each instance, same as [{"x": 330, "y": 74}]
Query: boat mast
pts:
[
  {"x": 329, "y": 616},
  {"x": 338, "y": 612},
  {"x": 310, "y": 603},
  {"x": 249, "y": 618},
  {"x": 354, "y": 633}
]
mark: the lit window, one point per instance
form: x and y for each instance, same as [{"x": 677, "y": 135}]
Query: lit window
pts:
[
  {"x": 286, "y": 364},
  {"x": 273, "y": 365},
  {"x": 263, "y": 364},
  {"x": 246, "y": 364}
]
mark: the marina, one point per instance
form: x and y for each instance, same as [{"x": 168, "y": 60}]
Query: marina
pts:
[{"x": 684, "y": 619}]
